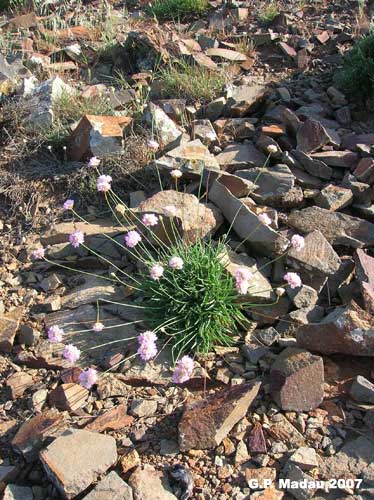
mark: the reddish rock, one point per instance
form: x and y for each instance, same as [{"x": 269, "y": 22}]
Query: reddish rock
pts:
[
  {"x": 68, "y": 397},
  {"x": 287, "y": 50},
  {"x": 18, "y": 383},
  {"x": 346, "y": 330},
  {"x": 114, "y": 419},
  {"x": 344, "y": 159},
  {"x": 364, "y": 171},
  {"x": 311, "y": 136},
  {"x": 268, "y": 494},
  {"x": 296, "y": 380},
  {"x": 334, "y": 197},
  {"x": 9, "y": 324},
  {"x": 365, "y": 275},
  {"x": 351, "y": 141},
  {"x": 337, "y": 228},
  {"x": 33, "y": 433},
  {"x": 323, "y": 37},
  {"x": 205, "y": 423},
  {"x": 97, "y": 136}
]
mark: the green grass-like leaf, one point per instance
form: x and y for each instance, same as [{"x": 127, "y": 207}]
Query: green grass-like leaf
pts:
[
  {"x": 177, "y": 9},
  {"x": 357, "y": 75},
  {"x": 195, "y": 308}
]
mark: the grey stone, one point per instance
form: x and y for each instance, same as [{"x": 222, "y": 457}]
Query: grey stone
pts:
[
  {"x": 149, "y": 484},
  {"x": 362, "y": 390},
  {"x": 76, "y": 458},
  {"x": 15, "y": 492},
  {"x": 304, "y": 296},
  {"x": 294, "y": 473},
  {"x": 314, "y": 167},
  {"x": 111, "y": 487},
  {"x": 203, "y": 130},
  {"x": 169, "y": 133},
  {"x": 305, "y": 458},
  {"x": 334, "y": 197},
  {"x": 245, "y": 99},
  {"x": 238, "y": 156},
  {"x": 311, "y": 136},
  {"x": 143, "y": 407}
]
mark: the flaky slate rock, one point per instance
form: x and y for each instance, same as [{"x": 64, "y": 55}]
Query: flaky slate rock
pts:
[
  {"x": 204, "y": 424},
  {"x": 311, "y": 136},
  {"x": 337, "y": 228},
  {"x": 296, "y": 380},
  {"x": 238, "y": 155},
  {"x": 9, "y": 324},
  {"x": 111, "y": 487},
  {"x": 346, "y": 330},
  {"x": 365, "y": 274},
  {"x": 75, "y": 459}
]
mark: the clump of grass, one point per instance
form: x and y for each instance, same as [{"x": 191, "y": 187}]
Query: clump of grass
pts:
[
  {"x": 191, "y": 82},
  {"x": 357, "y": 75},
  {"x": 268, "y": 13},
  {"x": 196, "y": 307},
  {"x": 177, "y": 9}
]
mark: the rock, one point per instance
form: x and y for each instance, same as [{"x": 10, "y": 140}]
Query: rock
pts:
[
  {"x": 237, "y": 128},
  {"x": 287, "y": 50},
  {"x": 296, "y": 380},
  {"x": 18, "y": 383},
  {"x": 296, "y": 475},
  {"x": 365, "y": 170},
  {"x": 191, "y": 158},
  {"x": 143, "y": 407},
  {"x": 92, "y": 290},
  {"x": 214, "y": 109},
  {"x": 305, "y": 458},
  {"x": 38, "y": 400},
  {"x": 311, "y": 136},
  {"x": 130, "y": 460},
  {"x": 317, "y": 255},
  {"x": 337, "y": 228},
  {"x": 365, "y": 275},
  {"x": 256, "y": 478},
  {"x": 205, "y": 423},
  {"x": 68, "y": 397},
  {"x": 283, "y": 430},
  {"x": 7, "y": 474},
  {"x": 111, "y": 487},
  {"x": 226, "y": 54},
  {"x": 238, "y": 156},
  {"x": 302, "y": 297},
  {"x": 354, "y": 461},
  {"x": 268, "y": 494},
  {"x": 28, "y": 335},
  {"x": 34, "y": 432},
  {"x": 306, "y": 315},
  {"x": 260, "y": 289},
  {"x": 9, "y": 324},
  {"x": 168, "y": 447},
  {"x": 76, "y": 458},
  {"x": 114, "y": 419},
  {"x": 142, "y": 52},
  {"x": 264, "y": 239},
  {"x": 334, "y": 197},
  {"x": 344, "y": 159},
  {"x": 198, "y": 220},
  {"x": 274, "y": 184},
  {"x": 241, "y": 453},
  {"x": 203, "y": 130},
  {"x": 244, "y": 99},
  {"x": 346, "y": 330},
  {"x": 362, "y": 390},
  {"x": 254, "y": 351},
  {"x": 97, "y": 136},
  {"x": 352, "y": 141},
  {"x": 236, "y": 185},
  {"x": 15, "y": 492},
  {"x": 314, "y": 167},
  {"x": 149, "y": 484},
  {"x": 169, "y": 133}
]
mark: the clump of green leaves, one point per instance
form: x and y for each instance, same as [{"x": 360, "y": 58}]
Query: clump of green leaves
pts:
[
  {"x": 195, "y": 307},
  {"x": 268, "y": 13},
  {"x": 357, "y": 75},
  {"x": 191, "y": 82},
  {"x": 177, "y": 9}
]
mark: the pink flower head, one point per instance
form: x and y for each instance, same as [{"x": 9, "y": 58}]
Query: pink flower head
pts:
[
  {"x": 76, "y": 238},
  {"x": 242, "y": 279},
  {"x": 94, "y": 162},
  {"x": 88, "y": 378},
  {"x": 170, "y": 210},
  {"x": 55, "y": 334},
  {"x": 176, "y": 174},
  {"x": 156, "y": 271},
  {"x": 153, "y": 145},
  {"x": 68, "y": 205},
  {"x": 150, "y": 220},
  {"x": 184, "y": 370},
  {"x": 264, "y": 219},
  {"x": 71, "y": 353},
  {"x": 176, "y": 263},
  {"x": 132, "y": 238},
  {"x": 103, "y": 183},
  {"x": 98, "y": 327},
  {"x": 293, "y": 280},
  {"x": 147, "y": 345},
  {"x": 38, "y": 253},
  {"x": 297, "y": 242}
]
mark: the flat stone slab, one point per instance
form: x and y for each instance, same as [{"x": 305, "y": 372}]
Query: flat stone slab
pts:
[
  {"x": 111, "y": 487},
  {"x": 75, "y": 459}
]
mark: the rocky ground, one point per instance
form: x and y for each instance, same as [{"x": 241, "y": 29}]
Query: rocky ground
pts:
[{"x": 295, "y": 399}]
